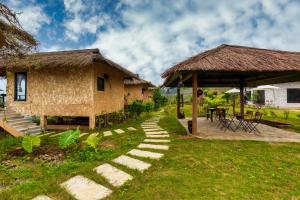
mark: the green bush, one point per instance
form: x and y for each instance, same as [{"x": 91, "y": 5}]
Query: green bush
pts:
[
  {"x": 136, "y": 108},
  {"x": 148, "y": 106},
  {"x": 286, "y": 114},
  {"x": 158, "y": 99},
  {"x": 92, "y": 141}
]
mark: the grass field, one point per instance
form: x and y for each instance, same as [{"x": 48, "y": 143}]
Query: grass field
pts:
[{"x": 191, "y": 169}]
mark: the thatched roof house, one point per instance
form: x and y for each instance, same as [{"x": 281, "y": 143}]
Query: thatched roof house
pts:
[
  {"x": 76, "y": 83},
  {"x": 137, "y": 89}
]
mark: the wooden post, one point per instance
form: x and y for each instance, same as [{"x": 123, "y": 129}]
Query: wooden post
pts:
[
  {"x": 43, "y": 122},
  {"x": 92, "y": 122},
  {"x": 195, "y": 103},
  {"x": 178, "y": 102},
  {"x": 242, "y": 97}
]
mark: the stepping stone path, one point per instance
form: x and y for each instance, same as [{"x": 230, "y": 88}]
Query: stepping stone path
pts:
[
  {"x": 83, "y": 134},
  {"x": 82, "y": 188},
  {"x": 154, "y": 146},
  {"x": 132, "y": 163},
  {"x": 119, "y": 131},
  {"x": 85, "y": 189},
  {"x": 145, "y": 154},
  {"x": 157, "y": 136},
  {"x": 131, "y": 129},
  {"x": 114, "y": 176},
  {"x": 107, "y": 133},
  {"x": 157, "y": 140},
  {"x": 42, "y": 197}
]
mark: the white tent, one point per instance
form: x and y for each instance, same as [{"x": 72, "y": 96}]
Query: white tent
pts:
[
  {"x": 233, "y": 90},
  {"x": 267, "y": 87}
]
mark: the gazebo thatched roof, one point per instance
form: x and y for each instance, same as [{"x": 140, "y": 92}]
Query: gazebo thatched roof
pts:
[
  {"x": 138, "y": 81},
  {"x": 70, "y": 58},
  {"x": 227, "y": 64}
]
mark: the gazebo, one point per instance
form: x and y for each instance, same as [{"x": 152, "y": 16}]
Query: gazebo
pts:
[{"x": 233, "y": 66}]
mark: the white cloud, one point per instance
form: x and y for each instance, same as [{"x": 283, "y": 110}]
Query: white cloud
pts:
[
  {"x": 32, "y": 17},
  {"x": 159, "y": 34}
]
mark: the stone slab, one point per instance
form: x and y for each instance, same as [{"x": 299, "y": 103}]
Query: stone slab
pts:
[
  {"x": 83, "y": 134},
  {"x": 113, "y": 175},
  {"x": 82, "y": 188},
  {"x": 131, "y": 129},
  {"x": 56, "y": 134},
  {"x": 46, "y": 134},
  {"x": 42, "y": 197},
  {"x": 156, "y": 132},
  {"x": 132, "y": 163},
  {"x": 152, "y": 129},
  {"x": 107, "y": 133},
  {"x": 119, "y": 131},
  {"x": 157, "y": 140},
  {"x": 145, "y": 154},
  {"x": 157, "y": 136},
  {"x": 153, "y": 146}
]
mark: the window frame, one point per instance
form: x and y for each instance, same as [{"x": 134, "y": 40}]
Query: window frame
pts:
[
  {"x": 97, "y": 85},
  {"x": 288, "y": 100},
  {"x": 16, "y": 86}
]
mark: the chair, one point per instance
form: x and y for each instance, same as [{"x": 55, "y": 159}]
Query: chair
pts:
[
  {"x": 252, "y": 124},
  {"x": 244, "y": 121},
  {"x": 226, "y": 122}
]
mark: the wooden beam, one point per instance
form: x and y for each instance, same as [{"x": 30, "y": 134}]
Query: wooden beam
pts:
[
  {"x": 178, "y": 102},
  {"x": 195, "y": 103},
  {"x": 242, "y": 84}
]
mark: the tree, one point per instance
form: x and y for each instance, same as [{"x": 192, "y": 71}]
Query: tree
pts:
[
  {"x": 14, "y": 41},
  {"x": 158, "y": 99}
]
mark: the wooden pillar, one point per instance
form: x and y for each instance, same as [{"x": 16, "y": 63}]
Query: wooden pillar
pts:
[
  {"x": 178, "y": 102},
  {"x": 242, "y": 84},
  {"x": 195, "y": 103},
  {"x": 92, "y": 122},
  {"x": 43, "y": 122}
]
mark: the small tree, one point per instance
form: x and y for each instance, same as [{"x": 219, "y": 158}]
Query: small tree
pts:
[
  {"x": 136, "y": 108},
  {"x": 158, "y": 99},
  {"x": 148, "y": 107}
]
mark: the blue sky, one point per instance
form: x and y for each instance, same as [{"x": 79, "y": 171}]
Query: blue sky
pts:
[{"x": 149, "y": 36}]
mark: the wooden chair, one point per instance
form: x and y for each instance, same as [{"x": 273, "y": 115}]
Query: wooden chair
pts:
[{"x": 252, "y": 124}]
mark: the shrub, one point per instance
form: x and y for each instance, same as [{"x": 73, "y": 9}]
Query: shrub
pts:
[
  {"x": 286, "y": 114},
  {"x": 68, "y": 137},
  {"x": 92, "y": 141},
  {"x": 273, "y": 114},
  {"x": 136, "y": 108},
  {"x": 158, "y": 99},
  {"x": 29, "y": 142},
  {"x": 148, "y": 106}
]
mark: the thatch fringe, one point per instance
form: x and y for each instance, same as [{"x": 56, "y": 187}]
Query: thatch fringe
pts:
[{"x": 234, "y": 58}]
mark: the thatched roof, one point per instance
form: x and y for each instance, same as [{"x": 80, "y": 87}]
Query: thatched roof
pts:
[
  {"x": 236, "y": 60},
  {"x": 138, "y": 81},
  {"x": 70, "y": 58}
]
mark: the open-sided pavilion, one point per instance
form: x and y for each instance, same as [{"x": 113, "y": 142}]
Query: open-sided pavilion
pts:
[{"x": 233, "y": 66}]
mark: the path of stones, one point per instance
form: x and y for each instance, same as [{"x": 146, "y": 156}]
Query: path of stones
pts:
[{"x": 82, "y": 188}]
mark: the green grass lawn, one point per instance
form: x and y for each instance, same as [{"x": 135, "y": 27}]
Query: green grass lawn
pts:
[{"x": 191, "y": 169}]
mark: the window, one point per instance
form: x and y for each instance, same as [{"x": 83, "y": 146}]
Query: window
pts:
[
  {"x": 293, "y": 95},
  {"x": 100, "y": 84},
  {"x": 20, "y": 86}
]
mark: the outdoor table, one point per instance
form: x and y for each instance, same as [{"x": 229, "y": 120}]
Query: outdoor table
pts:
[{"x": 211, "y": 110}]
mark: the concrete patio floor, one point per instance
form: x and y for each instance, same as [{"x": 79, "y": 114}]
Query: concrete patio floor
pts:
[{"x": 209, "y": 130}]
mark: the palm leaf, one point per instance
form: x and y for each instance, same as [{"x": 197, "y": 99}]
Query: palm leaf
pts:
[
  {"x": 68, "y": 137},
  {"x": 92, "y": 141},
  {"x": 29, "y": 142}
]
